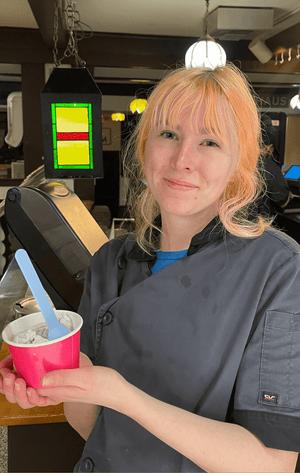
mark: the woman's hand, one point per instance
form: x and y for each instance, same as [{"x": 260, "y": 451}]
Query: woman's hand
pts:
[
  {"x": 16, "y": 390},
  {"x": 90, "y": 385}
]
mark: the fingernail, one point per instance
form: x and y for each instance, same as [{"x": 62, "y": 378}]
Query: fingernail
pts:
[
  {"x": 17, "y": 386},
  {"x": 46, "y": 382},
  {"x": 7, "y": 381}
]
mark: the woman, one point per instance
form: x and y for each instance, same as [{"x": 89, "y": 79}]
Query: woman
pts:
[
  {"x": 196, "y": 363},
  {"x": 278, "y": 194}
]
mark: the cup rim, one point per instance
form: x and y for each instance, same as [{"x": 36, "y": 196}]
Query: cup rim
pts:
[{"x": 39, "y": 345}]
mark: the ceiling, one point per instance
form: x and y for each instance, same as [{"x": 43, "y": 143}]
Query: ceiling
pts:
[
  {"x": 151, "y": 17},
  {"x": 138, "y": 35}
]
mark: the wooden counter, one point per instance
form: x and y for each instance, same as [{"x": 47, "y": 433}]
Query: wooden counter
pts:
[{"x": 12, "y": 414}]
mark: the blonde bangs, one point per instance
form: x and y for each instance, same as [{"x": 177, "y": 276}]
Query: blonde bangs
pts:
[{"x": 218, "y": 115}]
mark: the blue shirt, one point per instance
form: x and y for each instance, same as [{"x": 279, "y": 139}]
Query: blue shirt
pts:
[{"x": 164, "y": 258}]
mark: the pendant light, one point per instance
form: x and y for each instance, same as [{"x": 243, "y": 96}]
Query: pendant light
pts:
[
  {"x": 118, "y": 117},
  {"x": 138, "y": 105},
  {"x": 295, "y": 101},
  {"x": 205, "y": 52}
]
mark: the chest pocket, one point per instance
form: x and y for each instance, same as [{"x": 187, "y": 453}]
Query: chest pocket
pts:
[{"x": 280, "y": 367}]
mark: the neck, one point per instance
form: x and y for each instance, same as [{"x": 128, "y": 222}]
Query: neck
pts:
[{"x": 178, "y": 232}]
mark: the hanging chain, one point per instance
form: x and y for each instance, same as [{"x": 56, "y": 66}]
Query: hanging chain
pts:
[
  {"x": 76, "y": 33},
  {"x": 206, "y": 22},
  {"x": 55, "y": 35}
]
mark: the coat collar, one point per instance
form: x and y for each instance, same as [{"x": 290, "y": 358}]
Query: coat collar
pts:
[{"x": 213, "y": 231}]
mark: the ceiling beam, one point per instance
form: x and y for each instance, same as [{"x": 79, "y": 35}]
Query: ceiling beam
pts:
[
  {"x": 43, "y": 11},
  {"x": 19, "y": 45}
]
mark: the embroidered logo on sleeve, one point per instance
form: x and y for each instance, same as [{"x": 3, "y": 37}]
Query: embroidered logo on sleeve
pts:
[{"x": 270, "y": 398}]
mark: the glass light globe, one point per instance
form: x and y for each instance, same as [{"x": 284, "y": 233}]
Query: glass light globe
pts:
[
  {"x": 118, "y": 117},
  {"x": 295, "y": 101},
  {"x": 205, "y": 53},
  {"x": 138, "y": 105}
]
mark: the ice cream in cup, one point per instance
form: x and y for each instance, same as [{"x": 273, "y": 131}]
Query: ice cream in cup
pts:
[{"x": 33, "y": 354}]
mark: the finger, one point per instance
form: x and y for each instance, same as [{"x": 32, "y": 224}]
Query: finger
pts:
[
  {"x": 6, "y": 363},
  {"x": 35, "y": 399},
  {"x": 28, "y": 397},
  {"x": 46, "y": 401},
  {"x": 84, "y": 361},
  {"x": 16, "y": 392},
  {"x": 21, "y": 396},
  {"x": 1, "y": 386},
  {"x": 8, "y": 387},
  {"x": 6, "y": 372},
  {"x": 32, "y": 396},
  {"x": 73, "y": 377}
]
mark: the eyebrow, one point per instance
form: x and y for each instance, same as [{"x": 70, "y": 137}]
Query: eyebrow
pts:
[
  {"x": 200, "y": 131},
  {"x": 178, "y": 127}
]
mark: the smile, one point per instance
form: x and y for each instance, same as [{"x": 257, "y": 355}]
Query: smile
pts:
[{"x": 180, "y": 185}]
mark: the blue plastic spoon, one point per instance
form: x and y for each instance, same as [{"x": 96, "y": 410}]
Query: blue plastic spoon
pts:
[{"x": 56, "y": 329}]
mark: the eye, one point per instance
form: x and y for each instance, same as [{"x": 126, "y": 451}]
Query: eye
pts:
[
  {"x": 210, "y": 143},
  {"x": 169, "y": 135}
]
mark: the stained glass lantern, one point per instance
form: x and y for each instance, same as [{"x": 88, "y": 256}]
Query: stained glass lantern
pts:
[{"x": 72, "y": 125}]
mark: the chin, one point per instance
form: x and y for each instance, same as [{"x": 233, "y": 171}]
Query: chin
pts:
[{"x": 183, "y": 212}]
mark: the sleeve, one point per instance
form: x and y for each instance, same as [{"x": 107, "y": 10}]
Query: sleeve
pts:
[{"x": 267, "y": 392}]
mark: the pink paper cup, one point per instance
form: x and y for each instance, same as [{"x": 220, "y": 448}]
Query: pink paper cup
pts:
[{"x": 33, "y": 361}]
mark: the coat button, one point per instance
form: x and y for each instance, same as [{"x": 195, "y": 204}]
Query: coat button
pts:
[
  {"x": 88, "y": 464},
  {"x": 122, "y": 263},
  {"x": 107, "y": 319}
]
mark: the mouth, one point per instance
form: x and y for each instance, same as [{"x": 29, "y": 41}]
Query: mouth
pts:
[{"x": 181, "y": 185}]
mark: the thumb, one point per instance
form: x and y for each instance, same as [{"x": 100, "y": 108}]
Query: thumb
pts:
[
  {"x": 54, "y": 378},
  {"x": 68, "y": 377}
]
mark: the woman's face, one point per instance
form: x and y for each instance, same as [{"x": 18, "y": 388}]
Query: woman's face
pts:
[{"x": 187, "y": 170}]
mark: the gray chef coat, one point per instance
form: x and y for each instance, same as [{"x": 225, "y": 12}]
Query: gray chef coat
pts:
[{"x": 217, "y": 333}]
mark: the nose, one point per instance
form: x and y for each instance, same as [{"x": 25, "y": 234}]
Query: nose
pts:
[{"x": 184, "y": 158}]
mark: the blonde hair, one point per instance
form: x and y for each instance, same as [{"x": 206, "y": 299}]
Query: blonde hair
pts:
[{"x": 225, "y": 92}]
